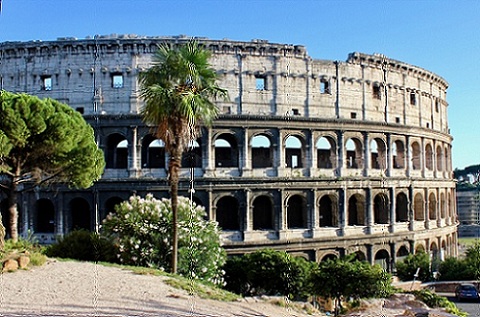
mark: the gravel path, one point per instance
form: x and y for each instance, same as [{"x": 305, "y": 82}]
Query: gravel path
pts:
[{"x": 88, "y": 289}]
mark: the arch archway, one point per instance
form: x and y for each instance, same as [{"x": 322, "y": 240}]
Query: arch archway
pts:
[
  {"x": 80, "y": 214},
  {"x": 293, "y": 152},
  {"x": 398, "y": 151},
  {"x": 226, "y": 151},
  {"x": 153, "y": 152},
  {"x": 296, "y": 212},
  {"x": 354, "y": 150},
  {"x": 381, "y": 210},
  {"x": 418, "y": 207},
  {"x": 117, "y": 151},
  {"x": 227, "y": 213},
  {"x": 401, "y": 208},
  {"x": 432, "y": 207},
  {"x": 263, "y": 213},
  {"x": 356, "y": 210},
  {"x": 328, "y": 210},
  {"x": 262, "y": 152},
  {"x": 378, "y": 154},
  {"x": 326, "y": 152},
  {"x": 382, "y": 258},
  {"x": 44, "y": 217}
]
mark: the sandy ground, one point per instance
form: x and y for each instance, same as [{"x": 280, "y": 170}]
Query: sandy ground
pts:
[{"x": 88, "y": 289}]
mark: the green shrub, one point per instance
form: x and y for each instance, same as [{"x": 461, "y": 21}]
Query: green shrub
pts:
[
  {"x": 82, "y": 245},
  {"x": 268, "y": 272},
  {"x": 407, "y": 269},
  {"x": 453, "y": 269},
  {"x": 141, "y": 230},
  {"x": 436, "y": 301}
]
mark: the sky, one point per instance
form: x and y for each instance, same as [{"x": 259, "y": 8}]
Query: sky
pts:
[{"x": 441, "y": 36}]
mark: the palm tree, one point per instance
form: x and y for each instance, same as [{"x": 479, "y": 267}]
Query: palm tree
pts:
[{"x": 179, "y": 89}]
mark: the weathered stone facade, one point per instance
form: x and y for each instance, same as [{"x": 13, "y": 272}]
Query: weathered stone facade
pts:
[{"x": 317, "y": 157}]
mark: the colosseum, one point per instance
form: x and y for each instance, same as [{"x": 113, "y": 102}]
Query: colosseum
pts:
[{"x": 317, "y": 157}]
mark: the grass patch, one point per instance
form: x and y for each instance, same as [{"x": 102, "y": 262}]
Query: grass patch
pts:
[
  {"x": 13, "y": 250},
  {"x": 468, "y": 241}
]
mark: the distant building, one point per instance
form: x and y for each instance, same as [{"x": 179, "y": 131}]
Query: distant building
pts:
[
  {"x": 468, "y": 208},
  {"x": 320, "y": 158}
]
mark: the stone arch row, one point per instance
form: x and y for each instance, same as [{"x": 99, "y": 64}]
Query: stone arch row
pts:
[{"x": 360, "y": 151}]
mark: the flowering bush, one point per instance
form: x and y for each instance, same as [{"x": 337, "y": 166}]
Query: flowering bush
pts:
[{"x": 142, "y": 230}]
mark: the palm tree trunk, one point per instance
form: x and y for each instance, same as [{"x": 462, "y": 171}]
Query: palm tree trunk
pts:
[{"x": 174, "y": 167}]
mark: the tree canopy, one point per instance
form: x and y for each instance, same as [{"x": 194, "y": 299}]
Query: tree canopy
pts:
[{"x": 44, "y": 141}]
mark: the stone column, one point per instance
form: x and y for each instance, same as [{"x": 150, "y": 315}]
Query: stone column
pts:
[
  {"x": 247, "y": 158},
  {"x": 280, "y": 150},
  {"x": 367, "y": 154},
  {"x": 389, "y": 172},
  {"x": 342, "y": 210},
  {"x": 369, "y": 209},
  {"x": 312, "y": 154},
  {"x": 408, "y": 156},
  {"x": 208, "y": 159},
  {"x": 248, "y": 211},
  {"x": 340, "y": 152}
]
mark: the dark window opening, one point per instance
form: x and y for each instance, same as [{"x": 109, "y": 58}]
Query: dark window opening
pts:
[
  {"x": 296, "y": 212},
  {"x": 356, "y": 211},
  {"x": 262, "y": 214},
  {"x": 80, "y": 213},
  {"x": 80, "y": 110},
  {"x": 397, "y": 119},
  {"x": 227, "y": 214},
  {"x": 44, "y": 216},
  {"x": 413, "y": 99},
  {"x": 353, "y": 115},
  {"x": 117, "y": 152},
  {"x": 377, "y": 93},
  {"x": 401, "y": 208},
  {"x": 381, "y": 210},
  {"x": 193, "y": 156},
  {"x": 328, "y": 214},
  {"x": 226, "y": 151}
]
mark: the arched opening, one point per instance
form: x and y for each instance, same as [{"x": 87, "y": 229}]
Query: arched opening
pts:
[
  {"x": 354, "y": 151},
  {"x": 382, "y": 258},
  {"x": 227, "y": 213},
  {"x": 381, "y": 209},
  {"x": 80, "y": 214},
  {"x": 263, "y": 213},
  {"x": 429, "y": 157},
  {"x": 226, "y": 151},
  {"x": 293, "y": 152},
  {"x": 328, "y": 211},
  {"x": 360, "y": 256},
  {"x": 418, "y": 207},
  {"x": 111, "y": 204},
  {"x": 401, "y": 208},
  {"x": 435, "y": 256},
  {"x": 378, "y": 154},
  {"x": 117, "y": 151},
  {"x": 398, "y": 151},
  {"x": 439, "y": 159},
  {"x": 416, "y": 156},
  {"x": 402, "y": 253},
  {"x": 356, "y": 210},
  {"x": 432, "y": 206},
  {"x": 326, "y": 153},
  {"x": 328, "y": 257},
  {"x": 44, "y": 216},
  {"x": 192, "y": 157},
  {"x": 296, "y": 212},
  {"x": 153, "y": 152},
  {"x": 447, "y": 159},
  {"x": 443, "y": 207},
  {"x": 261, "y": 152}
]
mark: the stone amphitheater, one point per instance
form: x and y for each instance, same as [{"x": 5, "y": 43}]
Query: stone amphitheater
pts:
[{"x": 317, "y": 157}]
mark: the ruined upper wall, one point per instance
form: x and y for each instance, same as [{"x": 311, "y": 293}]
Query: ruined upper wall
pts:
[{"x": 100, "y": 75}]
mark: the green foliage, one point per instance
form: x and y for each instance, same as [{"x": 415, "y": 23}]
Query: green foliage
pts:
[
  {"x": 454, "y": 269},
  {"x": 408, "y": 267},
  {"x": 24, "y": 246},
  {"x": 436, "y": 301},
  {"x": 44, "y": 141},
  {"x": 82, "y": 245},
  {"x": 268, "y": 272},
  {"x": 141, "y": 230},
  {"x": 349, "y": 278}
]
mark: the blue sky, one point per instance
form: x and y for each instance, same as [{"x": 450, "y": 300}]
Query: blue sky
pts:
[{"x": 439, "y": 35}]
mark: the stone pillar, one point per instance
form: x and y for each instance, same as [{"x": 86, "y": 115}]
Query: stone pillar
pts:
[
  {"x": 427, "y": 209},
  {"x": 248, "y": 211},
  {"x": 59, "y": 216},
  {"x": 280, "y": 150},
  {"x": 312, "y": 154},
  {"x": 367, "y": 154},
  {"x": 408, "y": 156},
  {"x": 369, "y": 209},
  {"x": 246, "y": 158},
  {"x": 389, "y": 156},
  {"x": 411, "y": 216},
  {"x": 341, "y": 152},
  {"x": 133, "y": 149}
]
